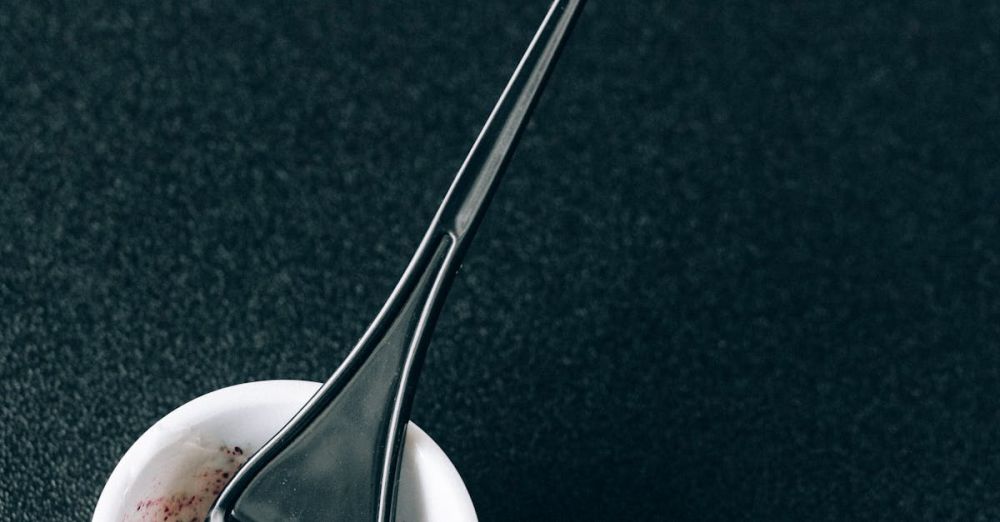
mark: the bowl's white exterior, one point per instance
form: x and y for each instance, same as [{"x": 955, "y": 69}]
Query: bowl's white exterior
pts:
[{"x": 430, "y": 488}]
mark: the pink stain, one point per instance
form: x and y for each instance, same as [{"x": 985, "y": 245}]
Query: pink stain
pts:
[{"x": 190, "y": 502}]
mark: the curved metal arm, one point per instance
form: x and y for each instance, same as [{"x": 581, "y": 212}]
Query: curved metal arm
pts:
[{"x": 354, "y": 426}]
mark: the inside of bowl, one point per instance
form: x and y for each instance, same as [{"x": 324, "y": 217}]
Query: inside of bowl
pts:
[{"x": 188, "y": 461}]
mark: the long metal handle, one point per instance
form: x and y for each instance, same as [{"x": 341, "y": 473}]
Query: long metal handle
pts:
[
  {"x": 355, "y": 424},
  {"x": 466, "y": 202}
]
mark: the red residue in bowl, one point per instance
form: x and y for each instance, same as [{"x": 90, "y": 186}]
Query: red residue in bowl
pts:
[{"x": 190, "y": 499}]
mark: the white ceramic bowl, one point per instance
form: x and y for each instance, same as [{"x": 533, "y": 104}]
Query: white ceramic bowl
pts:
[{"x": 430, "y": 488}]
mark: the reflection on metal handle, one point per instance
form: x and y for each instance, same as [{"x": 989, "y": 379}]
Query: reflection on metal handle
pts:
[{"x": 355, "y": 424}]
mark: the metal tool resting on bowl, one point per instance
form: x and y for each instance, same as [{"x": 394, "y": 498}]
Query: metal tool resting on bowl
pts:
[{"x": 338, "y": 458}]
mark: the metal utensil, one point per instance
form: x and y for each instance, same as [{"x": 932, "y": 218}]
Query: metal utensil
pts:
[{"x": 338, "y": 458}]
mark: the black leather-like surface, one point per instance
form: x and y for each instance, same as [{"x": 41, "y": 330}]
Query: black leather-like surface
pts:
[{"x": 744, "y": 265}]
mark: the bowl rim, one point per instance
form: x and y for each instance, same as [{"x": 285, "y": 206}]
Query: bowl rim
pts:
[{"x": 439, "y": 484}]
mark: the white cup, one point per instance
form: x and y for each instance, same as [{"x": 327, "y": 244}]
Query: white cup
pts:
[{"x": 430, "y": 488}]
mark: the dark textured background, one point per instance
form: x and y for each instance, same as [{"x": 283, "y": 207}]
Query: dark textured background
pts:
[{"x": 744, "y": 266}]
